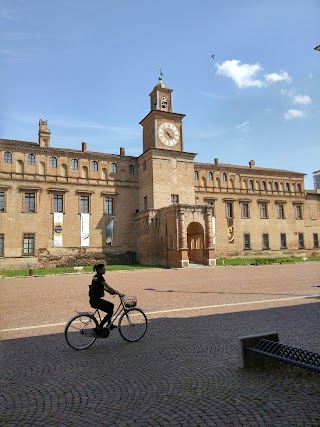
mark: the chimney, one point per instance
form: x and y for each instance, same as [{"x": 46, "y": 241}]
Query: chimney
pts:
[
  {"x": 122, "y": 152},
  {"x": 251, "y": 164},
  {"x": 84, "y": 147},
  {"x": 216, "y": 161},
  {"x": 44, "y": 134}
]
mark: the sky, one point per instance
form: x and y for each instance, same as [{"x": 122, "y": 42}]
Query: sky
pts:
[{"x": 245, "y": 73}]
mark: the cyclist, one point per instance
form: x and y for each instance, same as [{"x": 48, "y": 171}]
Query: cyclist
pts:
[{"x": 96, "y": 293}]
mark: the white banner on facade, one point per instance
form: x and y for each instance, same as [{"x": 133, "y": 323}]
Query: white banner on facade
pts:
[
  {"x": 57, "y": 229},
  {"x": 109, "y": 230},
  {"x": 213, "y": 230},
  {"x": 85, "y": 229}
]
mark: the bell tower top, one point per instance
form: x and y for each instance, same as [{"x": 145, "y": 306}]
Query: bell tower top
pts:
[
  {"x": 162, "y": 128},
  {"x": 160, "y": 97}
]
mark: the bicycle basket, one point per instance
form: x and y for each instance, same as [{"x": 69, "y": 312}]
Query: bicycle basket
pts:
[{"x": 129, "y": 301}]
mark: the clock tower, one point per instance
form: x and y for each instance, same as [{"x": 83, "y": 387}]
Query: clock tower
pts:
[
  {"x": 168, "y": 218},
  {"x": 161, "y": 127}
]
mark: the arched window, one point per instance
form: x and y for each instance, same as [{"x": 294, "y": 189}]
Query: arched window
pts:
[
  {"x": 31, "y": 159},
  {"x": 196, "y": 175},
  {"x": 85, "y": 172},
  {"x": 42, "y": 168},
  {"x": 287, "y": 186},
  {"x": 53, "y": 162},
  {"x": 298, "y": 188},
  {"x": 104, "y": 174},
  {"x": 250, "y": 184},
  {"x": 94, "y": 166},
  {"x": 131, "y": 169},
  {"x": 113, "y": 168},
  {"x": 19, "y": 166},
  {"x": 210, "y": 176},
  {"x": 74, "y": 164},
  {"x": 224, "y": 177},
  {"x": 275, "y": 186},
  {"x": 64, "y": 170},
  {"x": 8, "y": 157},
  {"x": 263, "y": 185}
]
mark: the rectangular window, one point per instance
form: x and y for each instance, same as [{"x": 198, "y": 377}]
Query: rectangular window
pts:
[
  {"x": 109, "y": 205},
  {"x": 84, "y": 204},
  {"x": 315, "y": 240},
  {"x": 229, "y": 209},
  {"x": 264, "y": 210},
  {"x": 298, "y": 211},
  {"x": 283, "y": 241},
  {"x": 281, "y": 211},
  {"x": 58, "y": 203},
  {"x": 245, "y": 210},
  {"x": 1, "y": 244},
  {"x": 2, "y": 201},
  {"x": 246, "y": 241},
  {"x": 301, "y": 240},
  {"x": 29, "y": 202},
  {"x": 28, "y": 244},
  {"x": 145, "y": 202},
  {"x": 174, "y": 198},
  {"x": 265, "y": 241}
]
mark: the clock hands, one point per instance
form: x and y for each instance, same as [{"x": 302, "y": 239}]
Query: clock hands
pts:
[{"x": 165, "y": 130}]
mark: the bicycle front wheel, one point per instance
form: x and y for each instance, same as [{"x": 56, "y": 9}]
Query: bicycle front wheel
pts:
[
  {"x": 133, "y": 324},
  {"x": 79, "y": 331}
]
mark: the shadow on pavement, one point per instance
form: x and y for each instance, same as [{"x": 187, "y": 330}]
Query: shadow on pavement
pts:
[{"x": 184, "y": 372}]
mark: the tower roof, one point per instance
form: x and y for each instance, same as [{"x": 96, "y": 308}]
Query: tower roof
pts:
[{"x": 160, "y": 84}]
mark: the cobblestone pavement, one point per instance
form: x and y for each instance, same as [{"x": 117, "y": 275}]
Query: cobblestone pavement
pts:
[{"x": 184, "y": 372}]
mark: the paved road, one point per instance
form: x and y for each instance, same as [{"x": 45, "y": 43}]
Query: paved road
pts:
[{"x": 184, "y": 372}]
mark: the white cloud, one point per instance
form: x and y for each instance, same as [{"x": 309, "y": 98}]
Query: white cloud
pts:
[
  {"x": 8, "y": 14},
  {"x": 283, "y": 76},
  {"x": 301, "y": 100},
  {"x": 294, "y": 114},
  {"x": 245, "y": 75},
  {"x": 210, "y": 95},
  {"x": 242, "y": 74},
  {"x": 244, "y": 127},
  {"x": 14, "y": 56}
]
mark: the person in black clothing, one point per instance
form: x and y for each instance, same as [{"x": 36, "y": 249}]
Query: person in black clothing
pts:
[{"x": 96, "y": 293}]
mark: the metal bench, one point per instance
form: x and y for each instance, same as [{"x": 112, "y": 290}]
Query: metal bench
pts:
[{"x": 253, "y": 347}]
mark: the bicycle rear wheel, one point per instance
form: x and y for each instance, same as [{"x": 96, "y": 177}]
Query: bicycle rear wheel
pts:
[
  {"x": 79, "y": 331},
  {"x": 133, "y": 324}
]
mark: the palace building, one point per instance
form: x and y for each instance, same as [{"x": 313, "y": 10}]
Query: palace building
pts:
[{"x": 70, "y": 207}]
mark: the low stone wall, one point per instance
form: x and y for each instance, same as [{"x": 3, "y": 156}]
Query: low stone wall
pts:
[{"x": 71, "y": 257}]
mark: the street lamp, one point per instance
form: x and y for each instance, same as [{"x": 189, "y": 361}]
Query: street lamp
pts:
[{"x": 317, "y": 47}]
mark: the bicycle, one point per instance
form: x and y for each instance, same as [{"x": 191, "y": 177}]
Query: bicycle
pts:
[{"x": 80, "y": 332}]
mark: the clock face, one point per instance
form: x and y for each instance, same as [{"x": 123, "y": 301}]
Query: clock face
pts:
[{"x": 168, "y": 134}]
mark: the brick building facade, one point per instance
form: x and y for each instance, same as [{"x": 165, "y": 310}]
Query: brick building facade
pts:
[{"x": 72, "y": 207}]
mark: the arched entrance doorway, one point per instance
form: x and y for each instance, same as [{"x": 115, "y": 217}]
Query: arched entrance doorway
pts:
[{"x": 195, "y": 242}]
